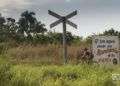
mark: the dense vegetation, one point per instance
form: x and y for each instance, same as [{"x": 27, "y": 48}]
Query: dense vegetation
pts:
[
  {"x": 30, "y": 55},
  {"x": 52, "y": 75},
  {"x": 29, "y": 30}
]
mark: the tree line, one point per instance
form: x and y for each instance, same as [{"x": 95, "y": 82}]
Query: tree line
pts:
[{"x": 28, "y": 29}]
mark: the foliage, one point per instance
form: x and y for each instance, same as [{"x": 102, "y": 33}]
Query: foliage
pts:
[
  {"x": 29, "y": 30},
  {"x": 111, "y": 32},
  {"x": 5, "y": 74},
  {"x": 45, "y": 47},
  {"x": 64, "y": 75}
]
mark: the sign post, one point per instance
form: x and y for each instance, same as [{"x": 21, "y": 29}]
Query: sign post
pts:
[{"x": 64, "y": 20}]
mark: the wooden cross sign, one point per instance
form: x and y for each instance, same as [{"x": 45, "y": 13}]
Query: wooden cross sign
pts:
[{"x": 64, "y": 20}]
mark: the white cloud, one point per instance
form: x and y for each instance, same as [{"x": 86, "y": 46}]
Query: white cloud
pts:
[
  {"x": 94, "y": 14},
  {"x": 13, "y": 3},
  {"x": 3, "y": 3},
  {"x": 12, "y": 7}
]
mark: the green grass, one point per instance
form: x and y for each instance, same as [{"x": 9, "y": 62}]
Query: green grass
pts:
[{"x": 52, "y": 75}]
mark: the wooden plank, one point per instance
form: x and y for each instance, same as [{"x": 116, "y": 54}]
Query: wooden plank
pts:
[
  {"x": 56, "y": 23},
  {"x": 71, "y": 24},
  {"x": 71, "y": 14},
  {"x": 54, "y": 14},
  {"x": 64, "y": 42}
]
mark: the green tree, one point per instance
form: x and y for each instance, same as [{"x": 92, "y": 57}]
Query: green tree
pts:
[
  {"x": 2, "y": 21},
  {"x": 57, "y": 38},
  {"x": 2, "y": 28},
  {"x": 27, "y": 22},
  {"x": 39, "y": 28},
  {"x": 12, "y": 27},
  {"x": 29, "y": 25},
  {"x": 111, "y": 32}
]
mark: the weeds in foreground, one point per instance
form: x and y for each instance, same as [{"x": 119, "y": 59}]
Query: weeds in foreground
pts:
[{"x": 52, "y": 75}]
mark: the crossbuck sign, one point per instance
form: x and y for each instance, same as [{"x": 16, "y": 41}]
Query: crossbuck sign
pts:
[{"x": 64, "y": 20}]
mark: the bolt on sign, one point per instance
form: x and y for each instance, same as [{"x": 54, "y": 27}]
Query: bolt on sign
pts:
[{"x": 106, "y": 49}]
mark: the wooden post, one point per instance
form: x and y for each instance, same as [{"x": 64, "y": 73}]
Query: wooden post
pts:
[{"x": 64, "y": 41}]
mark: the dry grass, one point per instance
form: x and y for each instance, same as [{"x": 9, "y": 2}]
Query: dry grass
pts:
[{"x": 42, "y": 53}]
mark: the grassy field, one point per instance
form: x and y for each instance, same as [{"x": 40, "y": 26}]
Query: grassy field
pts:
[
  {"x": 43, "y": 66},
  {"x": 57, "y": 75}
]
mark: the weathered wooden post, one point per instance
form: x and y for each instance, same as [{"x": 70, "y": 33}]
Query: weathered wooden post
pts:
[{"x": 64, "y": 20}]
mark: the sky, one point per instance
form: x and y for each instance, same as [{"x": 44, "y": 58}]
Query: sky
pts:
[{"x": 94, "y": 16}]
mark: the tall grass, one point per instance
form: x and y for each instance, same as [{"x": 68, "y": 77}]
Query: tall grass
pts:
[
  {"x": 52, "y": 75},
  {"x": 32, "y": 73},
  {"x": 42, "y": 53}
]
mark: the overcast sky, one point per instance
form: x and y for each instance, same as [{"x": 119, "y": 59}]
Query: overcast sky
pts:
[{"x": 94, "y": 16}]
